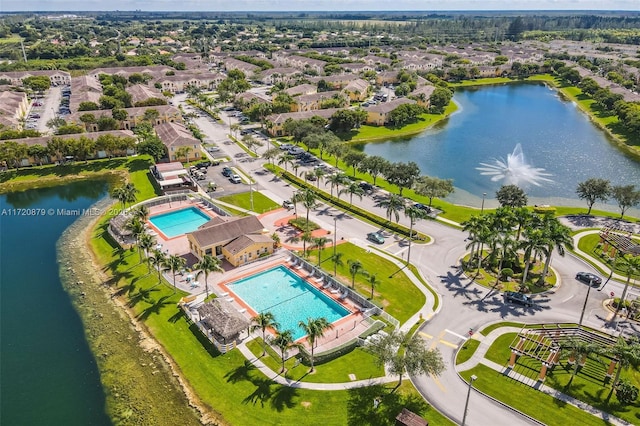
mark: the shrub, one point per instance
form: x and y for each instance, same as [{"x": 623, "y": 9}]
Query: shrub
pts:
[
  {"x": 507, "y": 273},
  {"x": 301, "y": 224},
  {"x": 626, "y": 392}
]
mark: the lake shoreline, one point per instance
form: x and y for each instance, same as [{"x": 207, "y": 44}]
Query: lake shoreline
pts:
[{"x": 115, "y": 336}]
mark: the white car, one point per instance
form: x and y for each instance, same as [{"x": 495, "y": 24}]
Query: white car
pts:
[{"x": 235, "y": 179}]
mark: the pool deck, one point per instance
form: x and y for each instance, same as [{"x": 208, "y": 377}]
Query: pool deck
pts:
[
  {"x": 345, "y": 329},
  {"x": 173, "y": 245}
]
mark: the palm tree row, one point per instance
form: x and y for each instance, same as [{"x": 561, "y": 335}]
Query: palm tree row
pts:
[
  {"x": 314, "y": 328},
  {"x": 507, "y": 232}
]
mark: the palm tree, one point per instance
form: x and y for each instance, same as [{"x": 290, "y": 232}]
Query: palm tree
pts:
[
  {"x": 174, "y": 264},
  {"x": 534, "y": 242},
  {"x": 337, "y": 261},
  {"x": 286, "y": 159},
  {"x": 473, "y": 226},
  {"x": 234, "y": 128},
  {"x": 314, "y": 329},
  {"x": 320, "y": 243},
  {"x": 394, "y": 204},
  {"x": 632, "y": 267},
  {"x": 146, "y": 242},
  {"x": 207, "y": 265},
  {"x": 627, "y": 353},
  {"x": 355, "y": 268},
  {"x": 137, "y": 229},
  {"x": 158, "y": 259},
  {"x": 373, "y": 282},
  {"x": 352, "y": 189},
  {"x": 558, "y": 237},
  {"x": 141, "y": 212},
  {"x": 309, "y": 199},
  {"x": 284, "y": 341},
  {"x": 579, "y": 349},
  {"x": 263, "y": 321},
  {"x": 414, "y": 214},
  {"x": 318, "y": 173},
  {"x": 184, "y": 151},
  {"x": 305, "y": 237},
  {"x": 507, "y": 245},
  {"x": 523, "y": 218},
  {"x": 335, "y": 180}
]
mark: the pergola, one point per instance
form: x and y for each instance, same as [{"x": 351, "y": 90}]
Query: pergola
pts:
[
  {"x": 544, "y": 342},
  {"x": 616, "y": 240}
]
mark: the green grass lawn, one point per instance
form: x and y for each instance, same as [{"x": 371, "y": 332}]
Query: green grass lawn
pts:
[
  {"x": 488, "y": 329},
  {"x": 398, "y": 295},
  {"x": 261, "y": 203},
  {"x": 589, "y": 243},
  {"x": 588, "y": 385},
  {"x": 358, "y": 362},
  {"x": 467, "y": 350},
  {"x": 538, "y": 405},
  {"x": 369, "y": 133}
]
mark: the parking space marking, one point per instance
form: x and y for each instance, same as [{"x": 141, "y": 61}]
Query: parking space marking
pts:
[
  {"x": 428, "y": 336},
  {"x": 451, "y": 345}
]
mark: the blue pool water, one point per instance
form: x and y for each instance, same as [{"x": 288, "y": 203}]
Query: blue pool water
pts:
[
  {"x": 179, "y": 222},
  {"x": 288, "y": 297}
]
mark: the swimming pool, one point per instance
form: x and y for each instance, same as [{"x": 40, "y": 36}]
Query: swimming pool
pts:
[
  {"x": 179, "y": 222},
  {"x": 288, "y": 297}
]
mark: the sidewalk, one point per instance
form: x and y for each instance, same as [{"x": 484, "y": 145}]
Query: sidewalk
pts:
[
  {"x": 276, "y": 377},
  {"x": 479, "y": 358}
]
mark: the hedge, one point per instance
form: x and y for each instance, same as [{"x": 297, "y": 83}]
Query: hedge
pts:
[{"x": 394, "y": 227}]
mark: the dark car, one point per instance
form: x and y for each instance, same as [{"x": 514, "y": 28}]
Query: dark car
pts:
[
  {"x": 516, "y": 297},
  {"x": 589, "y": 278},
  {"x": 375, "y": 237},
  {"x": 422, "y": 207},
  {"x": 226, "y": 171},
  {"x": 366, "y": 186},
  {"x": 203, "y": 165}
]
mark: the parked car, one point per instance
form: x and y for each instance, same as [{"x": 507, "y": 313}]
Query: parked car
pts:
[
  {"x": 589, "y": 278},
  {"x": 213, "y": 149},
  {"x": 287, "y": 204},
  {"x": 226, "y": 171},
  {"x": 203, "y": 165},
  {"x": 516, "y": 297},
  {"x": 286, "y": 146},
  {"x": 375, "y": 237},
  {"x": 422, "y": 207},
  {"x": 235, "y": 179}
]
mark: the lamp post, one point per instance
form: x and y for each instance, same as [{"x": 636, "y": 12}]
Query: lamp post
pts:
[
  {"x": 466, "y": 404},
  {"x": 335, "y": 234},
  {"x": 585, "y": 303},
  {"x": 484, "y": 194}
]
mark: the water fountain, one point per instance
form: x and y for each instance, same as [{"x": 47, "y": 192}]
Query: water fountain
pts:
[{"x": 515, "y": 170}]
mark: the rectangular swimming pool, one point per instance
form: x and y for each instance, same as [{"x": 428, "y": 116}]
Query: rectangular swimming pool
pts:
[
  {"x": 288, "y": 297},
  {"x": 179, "y": 222}
]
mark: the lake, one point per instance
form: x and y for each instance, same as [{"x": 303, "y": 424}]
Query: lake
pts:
[
  {"x": 553, "y": 133},
  {"x": 49, "y": 375}
]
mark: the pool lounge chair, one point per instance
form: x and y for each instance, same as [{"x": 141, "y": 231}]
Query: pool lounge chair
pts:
[
  {"x": 326, "y": 284},
  {"x": 344, "y": 295},
  {"x": 335, "y": 290}
]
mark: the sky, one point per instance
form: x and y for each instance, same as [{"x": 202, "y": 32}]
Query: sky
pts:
[{"x": 315, "y": 5}]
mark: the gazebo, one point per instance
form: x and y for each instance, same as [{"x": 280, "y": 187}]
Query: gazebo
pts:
[{"x": 222, "y": 323}]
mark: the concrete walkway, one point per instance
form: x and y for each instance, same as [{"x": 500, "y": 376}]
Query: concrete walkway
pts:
[
  {"x": 276, "y": 377},
  {"x": 479, "y": 358}
]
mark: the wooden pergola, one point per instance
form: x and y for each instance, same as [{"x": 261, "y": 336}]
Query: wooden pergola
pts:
[
  {"x": 615, "y": 240},
  {"x": 543, "y": 342}
]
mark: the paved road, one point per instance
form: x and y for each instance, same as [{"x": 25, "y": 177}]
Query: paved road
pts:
[{"x": 464, "y": 305}]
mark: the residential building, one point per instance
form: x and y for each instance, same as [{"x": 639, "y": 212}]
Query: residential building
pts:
[
  {"x": 379, "y": 114},
  {"x": 387, "y": 77},
  {"x": 302, "y": 89},
  {"x": 238, "y": 240},
  {"x": 313, "y": 101},
  {"x": 357, "y": 90},
  {"x": 13, "y": 107},
  {"x": 135, "y": 115},
  {"x": 422, "y": 95},
  {"x": 179, "y": 82},
  {"x": 275, "y": 122},
  {"x": 156, "y": 71},
  {"x": 175, "y": 136},
  {"x": 56, "y": 77},
  {"x": 275, "y": 75},
  {"x": 142, "y": 92},
  {"x": 248, "y": 69}
]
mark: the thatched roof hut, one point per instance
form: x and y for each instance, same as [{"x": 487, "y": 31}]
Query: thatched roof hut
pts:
[{"x": 222, "y": 320}]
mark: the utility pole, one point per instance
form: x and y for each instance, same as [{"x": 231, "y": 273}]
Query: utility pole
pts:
[{"x": 585, "y": 303}]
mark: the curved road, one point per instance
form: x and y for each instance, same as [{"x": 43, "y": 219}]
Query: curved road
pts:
[{"x": 464, "y": 305}]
